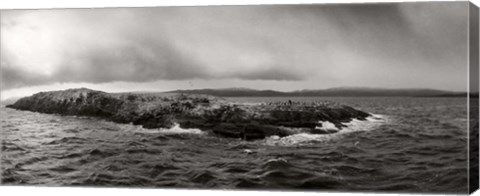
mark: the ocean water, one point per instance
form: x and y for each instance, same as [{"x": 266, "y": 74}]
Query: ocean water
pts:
[{"x": 409, "y": 145}]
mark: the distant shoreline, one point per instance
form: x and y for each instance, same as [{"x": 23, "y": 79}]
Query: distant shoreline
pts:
[{"x": 333, "y": 92}]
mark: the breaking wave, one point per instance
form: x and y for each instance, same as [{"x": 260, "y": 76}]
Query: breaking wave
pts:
[
  {"x": 176, "y": 129},
  {"x": 355, "y": 125}
]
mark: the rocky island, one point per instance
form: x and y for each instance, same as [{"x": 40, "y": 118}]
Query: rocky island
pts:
[{"x": 208, "y": 113}]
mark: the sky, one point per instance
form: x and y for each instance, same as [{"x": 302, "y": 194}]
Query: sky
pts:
[{"x": 279, "y": 47}]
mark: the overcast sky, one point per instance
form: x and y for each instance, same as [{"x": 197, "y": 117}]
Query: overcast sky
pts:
[{"x": 281, "y": 47}]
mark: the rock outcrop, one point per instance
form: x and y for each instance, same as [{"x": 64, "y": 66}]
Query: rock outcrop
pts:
[{"x": 164, "y": 110}]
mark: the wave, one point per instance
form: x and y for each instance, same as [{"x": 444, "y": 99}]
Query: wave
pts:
[
  {"x": 176, "y": 129},
  {"x": 327, "y": 126},
  {"x": 304, "y": 138}
]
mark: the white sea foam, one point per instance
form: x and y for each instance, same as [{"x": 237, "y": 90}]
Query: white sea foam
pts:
[
  {"x": 176, "y": 129},
  {"x": 353, "y": 126},
  {"x": 326, "y": 126}
]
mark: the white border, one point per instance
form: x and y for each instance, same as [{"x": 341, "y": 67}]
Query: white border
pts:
[{"x": 37, "y": 4}]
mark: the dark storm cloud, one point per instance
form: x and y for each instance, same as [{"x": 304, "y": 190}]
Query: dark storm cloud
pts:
[
  {"x": 129, "y": 63},
  {"x": 333, "y": 43},
  {"x": 12, "y": 78},
  {"x": 424, "y": 31}
]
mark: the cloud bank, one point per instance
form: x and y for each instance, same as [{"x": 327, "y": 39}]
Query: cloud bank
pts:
[{"x": 333, "y": 44}]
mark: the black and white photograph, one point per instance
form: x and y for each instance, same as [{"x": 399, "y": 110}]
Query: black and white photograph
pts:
[{"x": 356, "y": 97}]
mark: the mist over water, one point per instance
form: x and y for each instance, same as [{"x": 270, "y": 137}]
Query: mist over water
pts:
[{"x": 412, "y": 145}]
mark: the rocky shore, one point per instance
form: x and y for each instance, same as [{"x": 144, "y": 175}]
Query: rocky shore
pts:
[{"x": 208, "y": 113}]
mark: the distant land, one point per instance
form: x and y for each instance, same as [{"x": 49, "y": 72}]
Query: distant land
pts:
[{"x": 331, "y": 92}]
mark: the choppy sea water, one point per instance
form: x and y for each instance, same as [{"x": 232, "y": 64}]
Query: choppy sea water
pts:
[{"x": 410, "y": 145}]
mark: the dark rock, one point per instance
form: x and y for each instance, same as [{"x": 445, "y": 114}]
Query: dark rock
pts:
[{"x": 228, "y": 130}]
